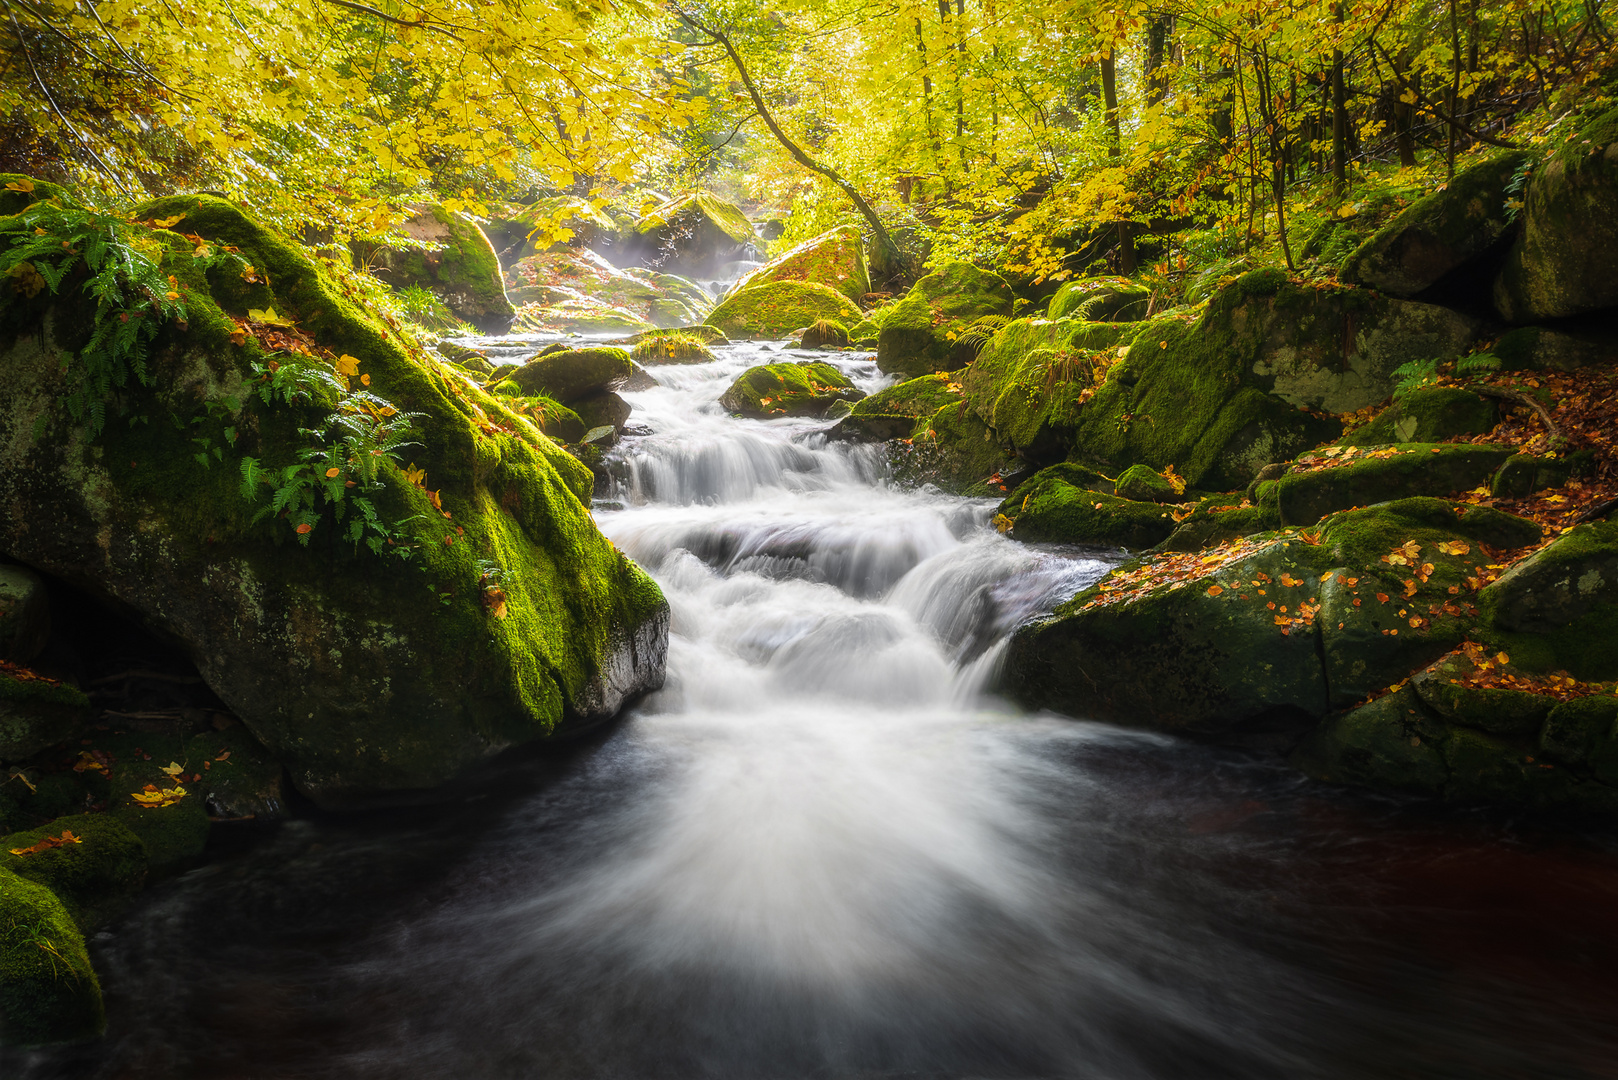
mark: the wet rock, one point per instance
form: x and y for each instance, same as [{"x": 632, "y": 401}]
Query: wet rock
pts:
[
  {"x": 1566, "y": 260},
  {"x": 693, "y": 235},
  {"x": 1144, "y": 484},
  {"x": 605, "y": 409},
  {"x": 801, "y": 389},
  {"x": 1049, "y": 508},
  {"x": 581, "y": 291},
  {"x": 37, "y": 713},
  {"x": 920, "y": 333},
  {"x": 25, "y": 615},
  {"x": 1440, "y": 232}
]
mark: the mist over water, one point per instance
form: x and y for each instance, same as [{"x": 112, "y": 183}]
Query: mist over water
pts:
[{"x": 825, "y": 849}]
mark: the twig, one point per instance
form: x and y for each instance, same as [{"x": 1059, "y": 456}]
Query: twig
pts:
[
  {"x": 424, "y": 24},
  {"x": 1599, "y": 510}
]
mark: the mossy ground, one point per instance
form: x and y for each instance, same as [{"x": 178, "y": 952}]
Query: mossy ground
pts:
[{"x": 775, "y": 309}]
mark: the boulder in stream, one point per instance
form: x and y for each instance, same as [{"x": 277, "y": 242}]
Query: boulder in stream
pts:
[{"x": 452, "y": 259}]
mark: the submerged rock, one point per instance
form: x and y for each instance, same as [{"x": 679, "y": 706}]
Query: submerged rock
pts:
[{"x": 370, "y": 676}]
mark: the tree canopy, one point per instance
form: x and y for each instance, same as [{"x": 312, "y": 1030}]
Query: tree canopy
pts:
[{"x": 1047, "y": 138}]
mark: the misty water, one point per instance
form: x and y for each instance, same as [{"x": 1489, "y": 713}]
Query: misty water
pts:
[{"x": 827, "y": 849}]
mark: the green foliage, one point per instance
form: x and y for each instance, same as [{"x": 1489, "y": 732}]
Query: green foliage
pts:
[
  {"x": 1422, "y": 373},
  {"x": 133, "y": 298}
]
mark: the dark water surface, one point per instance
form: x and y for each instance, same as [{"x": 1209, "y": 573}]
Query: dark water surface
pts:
[{"x": 825, "y": 851}]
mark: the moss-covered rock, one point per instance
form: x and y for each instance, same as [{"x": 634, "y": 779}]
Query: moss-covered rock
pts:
[
  {"x": 801, "y": 389},
  {"x": 1558, "y": 608},
  {"x": 454, "y": 260},
  {"x": 1390, "y": 743},
  {"x": 573, "y": 374},
  {"x": 18, "y": 192},
  {"x": 1222, "y": 396},
  {"x": 1032, "y": 377},
  {"x": 895, "y": 413},
  {"x": 775, "y": 309},
  {"x": 25, "y": 615},
  {"x": 1304, "y": 496},
  {"x": 1144, "y": 484},
  {"x": 671, "y": 347},
  {"x": 48, "y": 990},
  {"x": 369, "y": 676},
  {"x": 1566, "y": 260},
  {"x": 93, "y": 875},
  {"x": 952, "y": 449},
  {"x": 1524, "y": 474},
  {"x": 1565, "y": 348},
  {"x": 576, "y": 290},
  {"x": 1428, "y": 415},
  {"x": 236, "y": 777},
  {"x": 920, "y": 334},
  {"x": 1439, "y": 233},
  {"x": 825, "y": 334},
  {"x": 1049, "y": 508},
  {"x": 1275, "y": 634},
  {"x": 38, "y": 713},
  {"x": 693, "y": 235},
  {"x": 605, "y": 409},
  {"x": 1100, "y": 300},
  {"x": 1215, "y": 522},
  {"x": 835, "y": 259}
]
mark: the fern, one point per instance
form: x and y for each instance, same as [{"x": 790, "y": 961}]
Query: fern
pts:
[
  {"x": 1414, "y": 375},
  {"x": 978, "y": 335},
  {"x": 1477, "y": 364}
]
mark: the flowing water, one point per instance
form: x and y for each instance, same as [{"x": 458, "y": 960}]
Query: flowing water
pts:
[{"x": 825, "y": 849}]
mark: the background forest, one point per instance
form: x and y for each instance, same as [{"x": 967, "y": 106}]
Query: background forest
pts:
[{"x": 1045, "y": 139}]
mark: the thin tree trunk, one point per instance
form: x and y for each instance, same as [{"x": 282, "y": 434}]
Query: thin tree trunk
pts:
[
  {"x": 927, "y": 93},
  {"x": 886, "y": 262},
  {"x": 1115, "y": 149},
  {"x": 1157, "y": 36}
]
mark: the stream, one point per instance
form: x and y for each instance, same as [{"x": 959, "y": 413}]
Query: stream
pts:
[{"x": 826, "y": 849}]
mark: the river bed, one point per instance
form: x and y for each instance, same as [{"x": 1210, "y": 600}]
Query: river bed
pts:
[{"x": 827, "y": 849}]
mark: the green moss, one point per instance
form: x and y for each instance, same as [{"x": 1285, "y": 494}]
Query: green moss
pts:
[
  {"x": 1213, "y": 523},
  {"x": 824, "y": 334},
  {"x": 1413, "y": 469},
  {"x": 954, "y": 450},
  {"x": 671, "y": 347},
  {"x": 574, "y": 373},
  {"x": 775, "y": 309},
  {"x": 91, "y": 878},
  {"x": 1557, "y": 609},
  {"x": 1143, "y": 484},
  {"x": 1267, "y": 281},
  {"x": 835, "y": 259},
  {"x": 1100, "y": 300},
  {"x": 48, "y": 990},
  {"x": 801, "y": 389},
  {"x": 1584, "y": 732},
  {"x": 1524, "y": 474},
  {"x": 1393, "y": 742},
  {"x": 727, "y": 218},
  {"x": 914, "y": 398},
  {"x": 1056, "y": 511},
  {"x": 15, "y": 202},
  {"x": 919, "y": 334},
  {"x": 35, "y": 714},
  {"x": 1428, "y": 415},
  {"x": 422, "y": 688}
]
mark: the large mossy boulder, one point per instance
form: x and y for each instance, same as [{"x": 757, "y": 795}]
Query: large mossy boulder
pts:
[
  {"x": 1566, "y": 260},
  {"x": 572, "y": 374},
  {"x": 1274, "y": 632},
  {"x": 48, "y": 990},
  {"x": 1320, "y": 484},
  {"x": 1031, "y": 379},
  {"x": 775, "y": 309},
  {"x": 801, "y": 389},
  {"x": 835, "y": 259},
  {"x": 921, "y": 333},
  {"x": 895, "y": 412},
  {"x": 369, "y": 675},
  {"x": 954, "y": 450},
  {"x": 36, "y": 713},
  {"x": 1251, "y": 381},
  {"x": 1428, "y": 415},
  {"x": 691, "y": 235},
  {"x": 1068, "y": 504},
  {"x": 1558, "y": 608},
  {"x": 1100, "y": 300},
  {"x": 1439, "y": 233},
  {"x": 451, "y": 258}
]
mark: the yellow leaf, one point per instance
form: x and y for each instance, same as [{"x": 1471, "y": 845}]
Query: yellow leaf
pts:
[
  {"x": 348, "y": 365},
  {"x": 168, "y": 222},
  {"x": 173, "y": 768},
  {"x": 267, "y": 316}
]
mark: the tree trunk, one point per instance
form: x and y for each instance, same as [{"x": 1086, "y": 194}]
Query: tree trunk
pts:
[
  {"x": 927, "y": 93},
  {"x": 1157, "y": 37},
  {"x": 1115, "y": 149}
]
